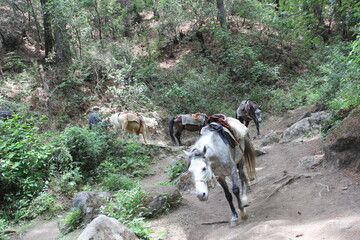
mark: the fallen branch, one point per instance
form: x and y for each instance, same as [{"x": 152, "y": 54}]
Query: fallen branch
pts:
[
  {"x": 288, "y": 178},
  {"x": 212, "y": 223}
]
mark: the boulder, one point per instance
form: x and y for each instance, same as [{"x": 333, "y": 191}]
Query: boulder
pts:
[
  {"x": 160, "y": 199},
  {"x": 104, "y": 227},
  {"x": 310, "y": 162},
  {"x": 305, "y": 127},
  {"x": 271, "y": 138},
  {"x": 259, "y": 151},
  {"x": 341, "y": 145},
  {"x": 89, "y": 203}
]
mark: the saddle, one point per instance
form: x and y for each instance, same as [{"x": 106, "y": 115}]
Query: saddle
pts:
[
  {"x": 218, "y": 123},
  {"x": 135, "y": 117}
]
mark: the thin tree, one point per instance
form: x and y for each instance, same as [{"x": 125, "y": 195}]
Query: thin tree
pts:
[
  {"x": 221, "y": 13},
  {"x": 48, "y": 37}
]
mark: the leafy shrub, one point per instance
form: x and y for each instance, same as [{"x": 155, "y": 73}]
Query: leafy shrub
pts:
[
  {"x": 81, "y": 147},
  {"x": 67, "y": 183},
  {"x": 126, "y": 158},
  {"x": 3, "y": 227},
  {"x": 44, "y": 203},
  {"x": 73, "y": 220},
  {"x": 24, "y": 154},
  {"x": 176, "y": 169},
  {"x": 126, "y": 207},
  {"x": 115, "y": 182}
]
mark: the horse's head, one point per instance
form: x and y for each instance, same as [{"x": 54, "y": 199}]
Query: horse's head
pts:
[
  {"x": 258, "y": 114},
  {"x": 257, "y": 111},
  {"x": 152, "y": 124},
  {"x": 200, "y": 169}
]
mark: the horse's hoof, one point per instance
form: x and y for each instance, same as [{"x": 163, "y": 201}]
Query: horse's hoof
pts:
[
  {"x": 244, "y": 215},
  {"x": 234, "y": 223}
]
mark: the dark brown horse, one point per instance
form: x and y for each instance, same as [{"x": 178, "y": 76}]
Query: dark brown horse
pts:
[
  {"x": 189, "y": 122},
  {"x": 247, "y": 111}
]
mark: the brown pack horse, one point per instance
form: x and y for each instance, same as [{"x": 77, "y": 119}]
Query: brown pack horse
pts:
[
  {"x": 134, "y": 123},
  {"x": 190, "y": 122}
]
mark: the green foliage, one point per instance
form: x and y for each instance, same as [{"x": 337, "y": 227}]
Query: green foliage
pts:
[
  {"x": 176, "y": 169},
  {"x": 195, "y": 86},
  {"x": 115, "y": 182},
  {"x": 127, "y": 158},
  {"x": 3, "y": 227},
  {"x": 73, "y": 220},
  {"x": 44, "y": 204},
  {"x": 67, "y": 183},
  {"x": 81, "y": 147},
  {"x": 13, "y": 62},
  {"x": 126, "y": 207},
  {"x": 24, "y": 157}
]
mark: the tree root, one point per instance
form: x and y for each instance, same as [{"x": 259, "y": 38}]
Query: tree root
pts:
[{"x": 286, "y": 179}]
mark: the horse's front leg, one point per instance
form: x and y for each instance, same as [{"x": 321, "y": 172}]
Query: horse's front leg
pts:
[
  {"x": 257, "y": 128},
  {"x": 236, "y": 191},
  {"x": 234, "y": 215}
]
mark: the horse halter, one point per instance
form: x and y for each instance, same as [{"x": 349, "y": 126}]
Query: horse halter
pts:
[{"x": 207, "y": 174}]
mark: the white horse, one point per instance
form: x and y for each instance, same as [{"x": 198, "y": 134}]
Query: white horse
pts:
[
  {"x": 212, "y": 158},
  {"x": 134, "y": 123}
]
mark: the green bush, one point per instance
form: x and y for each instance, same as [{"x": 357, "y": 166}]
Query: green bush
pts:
[
  {"x": 126, "y": 207},
  {"x": 67, "y": 183},
  {"x": 73, "y": 220},
  {"x": 81, "y": 147},
  {"x": 176, "y": 169},
  {"x": 115, "y": 182},
  {"x": 126, "y": 158},
  {"x": 24, "y": 157},
  {"x": 3, "y": 227},
  {"x": 44, "y": 204}
]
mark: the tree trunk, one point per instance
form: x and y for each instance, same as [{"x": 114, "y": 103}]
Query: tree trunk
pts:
[
  {"x": 48, "y": 37},
  {"x": 221, "y": 13},
  {"x": 63, "y": 53}
]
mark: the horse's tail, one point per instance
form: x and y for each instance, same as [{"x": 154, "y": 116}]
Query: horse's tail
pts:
[
  {"x": 171, "y": 129},
  {"x": 250, "y": 162}
]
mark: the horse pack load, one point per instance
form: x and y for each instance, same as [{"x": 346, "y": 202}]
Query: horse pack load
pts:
[
  {"x": 192, "y": 119},
  {"x": 189, "y": 122}
]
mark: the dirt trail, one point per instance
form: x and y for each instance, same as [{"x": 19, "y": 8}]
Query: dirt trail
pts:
[{"x": 287, "y": 202}]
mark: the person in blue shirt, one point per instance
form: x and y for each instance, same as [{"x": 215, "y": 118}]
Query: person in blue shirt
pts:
[{"x": 94, "y": 117}]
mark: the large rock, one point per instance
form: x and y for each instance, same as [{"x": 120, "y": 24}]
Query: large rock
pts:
[
  {"x": 305, "y": 127},
  {"x": 107, "y": 228},
  {"x": 89, "y": 203},
  {"x": 161, "y": 199},
  {"x": 271, "y": 138},
  {"x": 342, "y": 143}
]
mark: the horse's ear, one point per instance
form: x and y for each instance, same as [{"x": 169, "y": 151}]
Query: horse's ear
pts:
[
  {"x": 259, "y": 106},
  {"x": 204, "y": 150},
  {"x": 186, "y": 153}
]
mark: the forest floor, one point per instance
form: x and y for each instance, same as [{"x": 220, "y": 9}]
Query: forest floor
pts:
[{"x": 286, "y": 202}]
